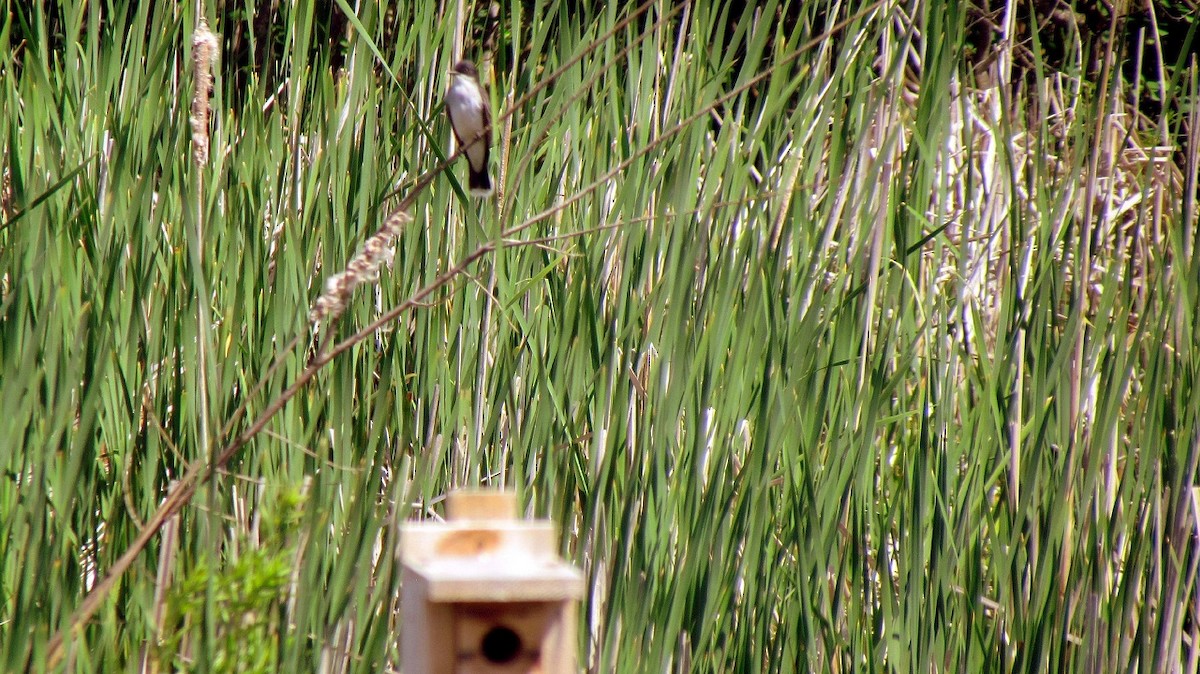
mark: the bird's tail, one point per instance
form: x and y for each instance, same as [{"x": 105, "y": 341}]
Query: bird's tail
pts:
[{"x": 479, "y": 183}]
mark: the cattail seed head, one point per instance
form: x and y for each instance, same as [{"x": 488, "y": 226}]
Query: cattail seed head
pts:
[
  {"x": 363, "y": 268},
  {"x": 204, "y": 54}
]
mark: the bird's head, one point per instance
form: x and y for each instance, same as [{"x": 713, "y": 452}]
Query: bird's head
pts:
[{"x": 465, "y": 68}]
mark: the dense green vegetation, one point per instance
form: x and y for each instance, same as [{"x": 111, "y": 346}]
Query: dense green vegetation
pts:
[{"x": 834, "y": 336}]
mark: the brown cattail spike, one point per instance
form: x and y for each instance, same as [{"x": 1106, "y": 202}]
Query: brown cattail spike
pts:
[{"x": 204, "y": 54}]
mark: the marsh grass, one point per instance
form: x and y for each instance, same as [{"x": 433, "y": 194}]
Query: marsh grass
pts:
[{"x": 824, "y": 357}]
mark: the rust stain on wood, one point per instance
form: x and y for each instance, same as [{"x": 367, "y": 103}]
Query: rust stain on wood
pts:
[{"x": 469, "y": 542}]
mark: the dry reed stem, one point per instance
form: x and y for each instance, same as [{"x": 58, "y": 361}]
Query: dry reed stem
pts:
[{"x": 198, "y": 473}]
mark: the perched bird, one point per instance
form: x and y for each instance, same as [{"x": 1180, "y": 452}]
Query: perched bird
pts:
[{"x": 467, "y": 107}]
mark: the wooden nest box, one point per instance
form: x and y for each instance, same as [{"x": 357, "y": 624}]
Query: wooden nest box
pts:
[{"x": 486, "y": 592}]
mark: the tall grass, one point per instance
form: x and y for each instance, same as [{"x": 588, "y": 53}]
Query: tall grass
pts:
[{"x": 824, "y": 355}]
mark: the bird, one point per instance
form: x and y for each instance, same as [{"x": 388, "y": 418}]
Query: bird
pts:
[{"x": 471, "y": 119}]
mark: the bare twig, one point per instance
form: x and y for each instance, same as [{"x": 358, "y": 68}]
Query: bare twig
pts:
[{"x": 200, "y": 472}]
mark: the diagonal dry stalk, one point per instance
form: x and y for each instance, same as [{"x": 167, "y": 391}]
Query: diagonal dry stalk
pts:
[{"x": 200, "y": 472}]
